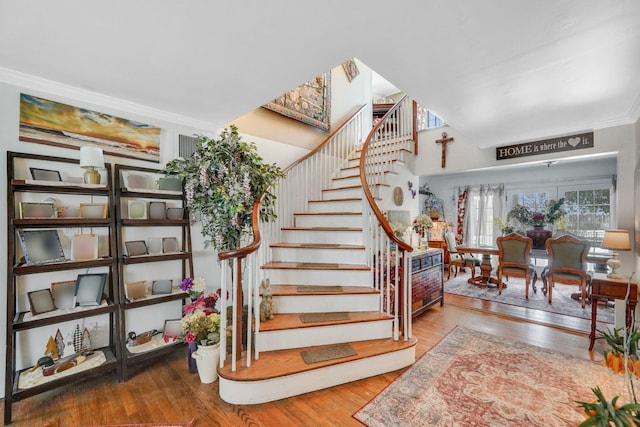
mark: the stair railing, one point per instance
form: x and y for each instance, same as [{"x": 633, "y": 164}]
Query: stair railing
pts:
[
  {"x": 388, "y": 255},
  {"x": 304, "y": 180}
]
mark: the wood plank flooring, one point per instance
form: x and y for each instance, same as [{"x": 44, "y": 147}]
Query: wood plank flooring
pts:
[{"x": 166, "y": 392}]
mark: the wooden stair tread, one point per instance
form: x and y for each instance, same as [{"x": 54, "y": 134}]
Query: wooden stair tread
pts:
[
  {"x": 292, "y": 290},
  {"x": 341, "y": 213},
  {"x": 278, "y": 363},
  {"x": 290, "y": 245},
  {"x": 345, "y": 199},
  {"x": 351, "y": 187},
  {"x": 284, "y": 321},
  {"x": 286, "y": 265},
  {"x": 323, "y": 228}
]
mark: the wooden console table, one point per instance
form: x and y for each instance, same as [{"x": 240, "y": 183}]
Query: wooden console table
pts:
[{"x": 604, "y": 288}]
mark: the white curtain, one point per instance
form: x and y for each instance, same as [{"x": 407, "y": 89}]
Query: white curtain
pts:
[{"x": 484, "y": 203}]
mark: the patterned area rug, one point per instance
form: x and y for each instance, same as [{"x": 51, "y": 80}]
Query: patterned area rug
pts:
[
  {"x": 514, "y": 295},
  {"x": 475, "y": 379}
]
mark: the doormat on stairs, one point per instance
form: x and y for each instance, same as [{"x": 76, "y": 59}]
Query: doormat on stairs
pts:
[
  {"x": 303, "y": 289},
  {"x": 337, "y": 351},
  {"x": 323, "y": 317},
  {"x": 318, "y": 265}
]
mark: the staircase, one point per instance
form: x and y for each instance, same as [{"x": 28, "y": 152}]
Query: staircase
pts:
[{"x": 326, "y": 298}]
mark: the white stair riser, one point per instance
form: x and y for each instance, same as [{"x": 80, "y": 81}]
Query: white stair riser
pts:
[
  {"x": 253, "y": 392},
  {"x": 326, "y": 303},
  {"x": 336, "y": 206},
  {"x": 346, "y": 182},
  {"x": 323, "y": 335},
  {"x": 348, "y": 256},
  {"x": 320, "y": 220},
  {"x": 317, "y": 236},
  {"x": 319, "y": 277},
  {"x": 341, "y": 193}
]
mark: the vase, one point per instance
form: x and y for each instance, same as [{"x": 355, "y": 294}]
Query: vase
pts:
[
  {"x": 207, "y": 358},
  {"x": 539, "y": 236},
  {"x": 191, "y": 362}
]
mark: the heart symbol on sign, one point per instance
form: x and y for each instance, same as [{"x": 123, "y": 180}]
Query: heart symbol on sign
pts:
[{"x": 574, "y": 141}]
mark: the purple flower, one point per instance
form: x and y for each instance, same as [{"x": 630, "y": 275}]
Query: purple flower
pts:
[
  {"x": 538, "y": 217},
  {"x": 186, "y": 284}
]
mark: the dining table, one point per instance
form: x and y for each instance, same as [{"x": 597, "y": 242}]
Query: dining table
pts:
[{"x": 487, "y": 252}]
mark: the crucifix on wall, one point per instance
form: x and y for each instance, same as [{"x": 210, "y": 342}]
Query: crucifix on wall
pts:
[{"x": 444, "y": 142}]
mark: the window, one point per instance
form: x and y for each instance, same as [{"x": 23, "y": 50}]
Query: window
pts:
[{"x": 588, "y": 214}]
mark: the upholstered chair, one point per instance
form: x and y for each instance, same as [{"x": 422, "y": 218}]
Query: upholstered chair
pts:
[
  {"x": 514, "y": 259},
  {"x": 567, "y": 264},
  {"x": 458, "y": 260}
]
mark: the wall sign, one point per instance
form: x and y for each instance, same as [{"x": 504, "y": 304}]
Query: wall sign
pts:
[{"x": 553, "y": 145}]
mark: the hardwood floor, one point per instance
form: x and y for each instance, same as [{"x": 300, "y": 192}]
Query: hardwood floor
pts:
[{"x": 166, "y": 392}]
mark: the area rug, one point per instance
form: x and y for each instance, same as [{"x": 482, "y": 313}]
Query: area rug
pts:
[
  {"x": 323, "y": 354},
  {"x": 472, "y": 378},
  {"x": 513, "y": 294}
]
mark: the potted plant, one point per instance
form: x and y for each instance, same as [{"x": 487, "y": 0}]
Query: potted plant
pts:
[{"x": 222, "y": 181}]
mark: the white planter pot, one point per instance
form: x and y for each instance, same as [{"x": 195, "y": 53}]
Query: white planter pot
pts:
[{"x": 207, "y": 358}]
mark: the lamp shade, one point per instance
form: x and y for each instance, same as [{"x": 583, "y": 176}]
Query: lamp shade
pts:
[
  {"x": 616, "y": 240},
  {"x": 91, "y": 157}
]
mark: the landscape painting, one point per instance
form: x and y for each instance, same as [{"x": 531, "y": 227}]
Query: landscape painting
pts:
[{"x": 53, "y": 123}]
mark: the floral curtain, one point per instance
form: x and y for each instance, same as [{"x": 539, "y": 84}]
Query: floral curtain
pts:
[{"x": 463, "y": 193}]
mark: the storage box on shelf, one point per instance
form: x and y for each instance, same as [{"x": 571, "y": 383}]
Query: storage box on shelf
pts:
[
  {"x": 152, "y": 227},
  {"x": 49, "y": 240}
]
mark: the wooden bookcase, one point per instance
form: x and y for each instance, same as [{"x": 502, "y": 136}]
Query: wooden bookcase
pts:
[{"x": 25, "y": 274}]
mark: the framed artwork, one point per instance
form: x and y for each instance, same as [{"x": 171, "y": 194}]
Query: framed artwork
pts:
[
  {"x": 158, "y": 210},
  {"x": 93, "y": 210},
  {"x": 309, "y": 103},
  {"x": 170, "y": 244},
  {"x": 136, "y": 181},
  {"x": 172, "y": 328},
  {"x": 45, "y": 174},
  {"x": 136, "y": 290},
  {"x": 64, "y": 294},
  {"x": 170, "y": 184},
  {"x": 351, "y": 69},
  {"x": 159, "y": 287},
  {"x": 154, "y": 245},
  {"x": 89, "y": 288},
  {"x": 41, "y": 246},
  {"x": 37, "y": 210},
  {"x": 136, "y": 247},
  {"x": 84, "y": 247},
  {"x": 40, "y": 301},
  {"x": 175, "y": 213},
  {"x": 137, "y": 209},
  {"x": 52, "y": 123}
]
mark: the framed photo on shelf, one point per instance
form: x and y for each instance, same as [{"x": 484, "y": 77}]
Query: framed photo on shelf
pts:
[
  {"x": 175, "y": 213},
  {"x": 136, "y": 181},
  {"x": 170, "y": 184},
  {"x": 154, "y": 245},
  {"x": 29, "y": 210},
  {"x": 160, "y": 287},
  {"x": 41, "y": 246},
  {"x": 137, "y": 209},
  {"x": 64, "y": 294},
  {"x": 93, "y": 210},
  {"x": 172, "y": 328},
  {"x": 45, "y": 174},
  {"x": 170, "y": 244},
  {"x": 84, "y": 247},
  {"x": 136, "y": 247},
  {"x": 89, "y": 288},
  {"x": 41, "y": 301},
  {"x": 136, "y": 290},
  {"x": 158, "y": 210}
]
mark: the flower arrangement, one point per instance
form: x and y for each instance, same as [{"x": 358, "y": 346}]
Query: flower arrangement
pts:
[
  {"x": 222, "y": 181},
  {"x": 553, "y": 213},
  {"x": 422, "y": 224},
  {"x": 194, "y": 287},
  {"x": 201, "y": 321}
]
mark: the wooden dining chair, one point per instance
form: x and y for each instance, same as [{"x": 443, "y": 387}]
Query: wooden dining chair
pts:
[
  {"x": 514, "y": 259},
  {"x": 459, "y": 260},
  {"x": 567, "y": 264}
]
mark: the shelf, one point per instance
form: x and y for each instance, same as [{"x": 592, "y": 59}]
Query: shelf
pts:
[
  {"x": 61, "y": 222},
  {"x": 33, "y": 186},
  {"x": 61, "y": 266},
  {"x": 24, "y": 321},
  {"x": 155, "y": 222},
  {"x": 155, "y": 258},
  {"x": 151, "y": 194},
  {"x": 156, "y": 299}
]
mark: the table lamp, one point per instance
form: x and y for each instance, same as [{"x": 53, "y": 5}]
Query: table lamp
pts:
[
  {"x": 91, "y": 158},
  {"x": 616, "y": 240}
]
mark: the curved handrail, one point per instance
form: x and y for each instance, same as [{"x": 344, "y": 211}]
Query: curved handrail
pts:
[
  {"x": 255, "y": 215},
  {"x": 365, "y": 186}
]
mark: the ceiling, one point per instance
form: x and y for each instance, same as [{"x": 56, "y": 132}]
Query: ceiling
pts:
[{"x": 497, "y": 71}]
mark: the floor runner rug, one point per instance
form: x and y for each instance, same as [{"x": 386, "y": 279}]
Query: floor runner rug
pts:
[
  {"x": 472, "y": 378},
  {"x": 323, "y": 354},
  {"x": 513, "y": 294}
]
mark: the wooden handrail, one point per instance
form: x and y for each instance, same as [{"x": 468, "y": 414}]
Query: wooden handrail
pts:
[{"x": 365, "y": 186}]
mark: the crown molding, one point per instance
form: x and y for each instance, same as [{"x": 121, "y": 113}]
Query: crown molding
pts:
[{"x": 28, "y": 81}]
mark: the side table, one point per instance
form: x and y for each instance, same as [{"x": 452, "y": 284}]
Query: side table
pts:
[{"x": 604, "y": 288}]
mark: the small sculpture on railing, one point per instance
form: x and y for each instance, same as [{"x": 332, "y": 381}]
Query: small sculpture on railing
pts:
[{"x": 267, "y": 306}]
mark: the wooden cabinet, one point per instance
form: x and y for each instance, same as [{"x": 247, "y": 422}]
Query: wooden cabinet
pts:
[
  {"x": 45, "y": 218},
  {"x": 441, "y": 244},
  {"x": 427, "y": 285},
  {"x": 154, "y": 235}
]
